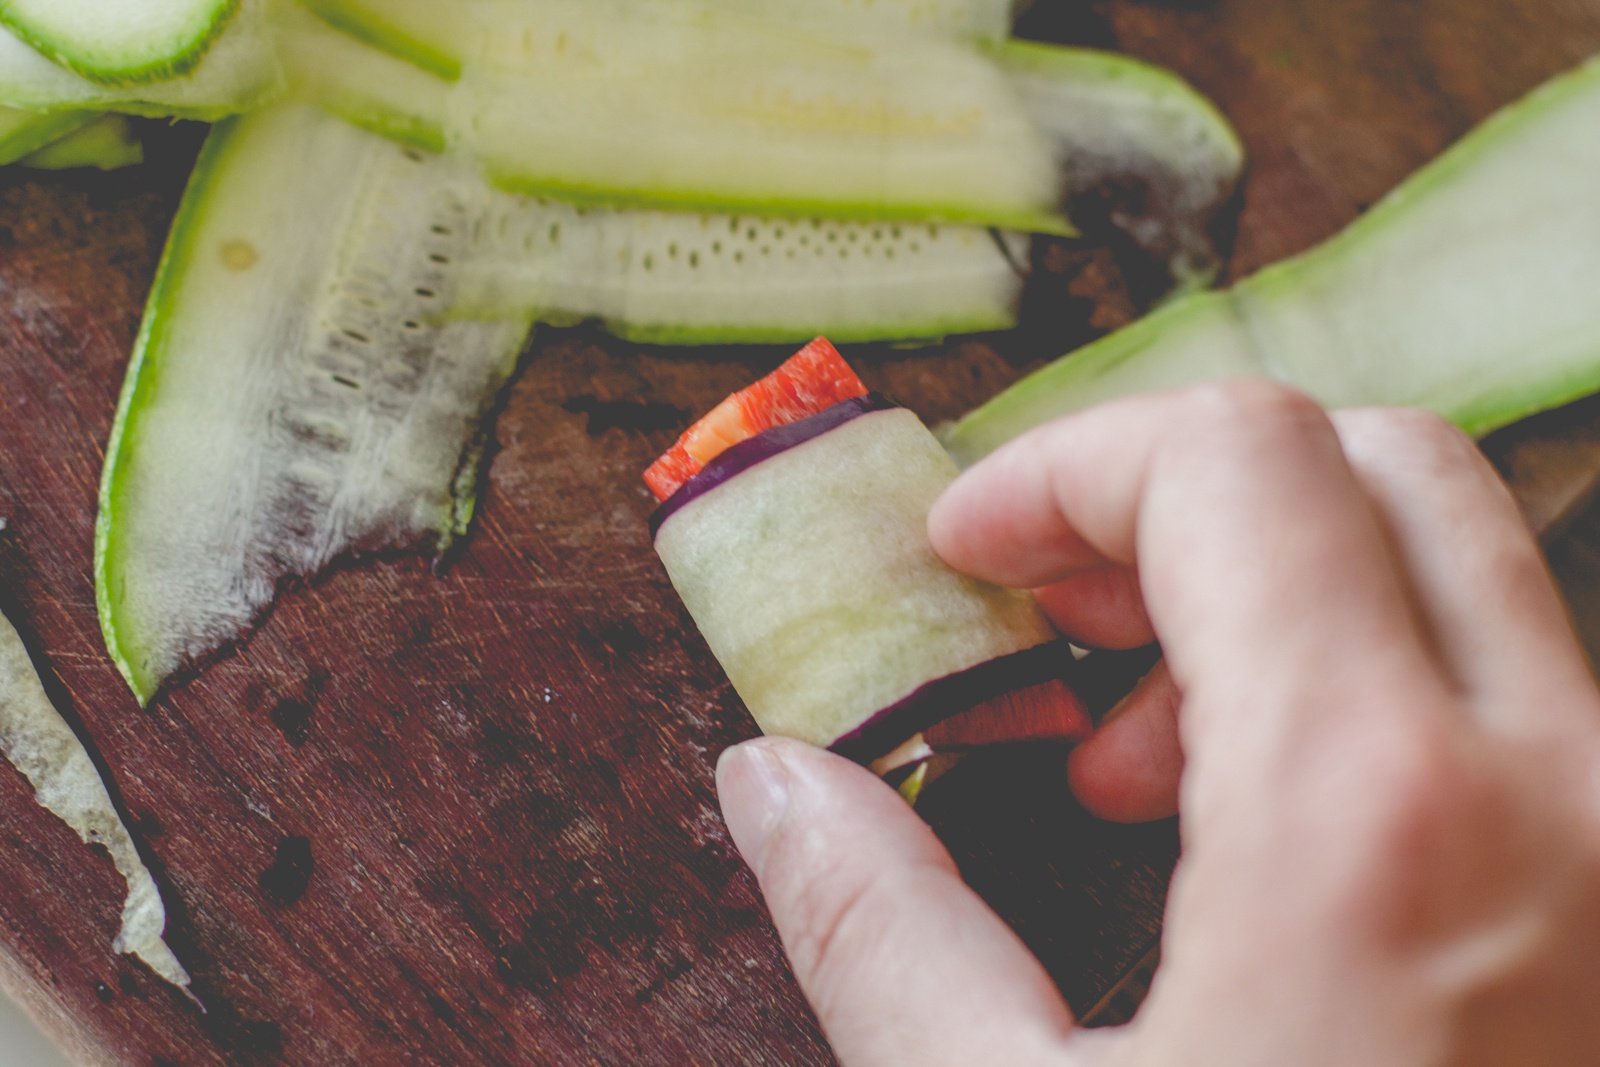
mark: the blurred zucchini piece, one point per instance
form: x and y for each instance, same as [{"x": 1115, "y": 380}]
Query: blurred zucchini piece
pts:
[{"x": 108, "y": 143}]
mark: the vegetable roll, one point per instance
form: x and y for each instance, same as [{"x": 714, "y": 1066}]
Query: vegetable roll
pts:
[{"x": 793, "y": 524}]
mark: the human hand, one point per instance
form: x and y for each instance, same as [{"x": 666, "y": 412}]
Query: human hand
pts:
[{"x": 1382, "y": 736}]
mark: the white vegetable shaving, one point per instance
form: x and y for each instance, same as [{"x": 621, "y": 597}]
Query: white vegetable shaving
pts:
[{"x": 40, "y": 744}]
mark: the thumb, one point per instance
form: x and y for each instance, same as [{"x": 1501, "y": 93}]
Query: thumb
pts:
[{"x": 901, "y": 961}]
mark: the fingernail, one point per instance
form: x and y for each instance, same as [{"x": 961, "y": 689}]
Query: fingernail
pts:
[{"x": 753, "y": 784}]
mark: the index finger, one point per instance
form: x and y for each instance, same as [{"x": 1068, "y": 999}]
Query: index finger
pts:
[{"x": 1264, "y": 568}]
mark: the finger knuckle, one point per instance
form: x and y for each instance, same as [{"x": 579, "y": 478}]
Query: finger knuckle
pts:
[
  {"x": 1416, "y": 432},
  {"x": 1414, "y": 787},
  {"x": 1256, "y": 401}
]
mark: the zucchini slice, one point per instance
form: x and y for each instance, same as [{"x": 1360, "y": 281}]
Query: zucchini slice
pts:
[
  {"x": 335, "y": 314},
  {"x": 123, "y": 43},
  {"x": 1469, "y": 290},
  {"x": 108, "y": 143},
  {"x": 296, "y": 390},
  {"x": 431, "y": 35},
  {"x": 37, "y": 741},
  {"x": 1113, "y": 123},
  {"x": 424, "y": 33},
  {"x": 660, "y": 277},
  {"x": 677, "y": 277},
  {"x": 683, "y": 106},
  {"x": 239, "y": 72},
  {"x": 25, "y": 132}
]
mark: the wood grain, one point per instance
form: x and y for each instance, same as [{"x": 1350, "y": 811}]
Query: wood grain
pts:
[{"x": 469, "y": 818}]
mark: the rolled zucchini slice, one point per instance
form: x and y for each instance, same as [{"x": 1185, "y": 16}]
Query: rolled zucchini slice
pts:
[
  {"x": 803, "y": 557},
  {"x": 1469, "y": 290}
]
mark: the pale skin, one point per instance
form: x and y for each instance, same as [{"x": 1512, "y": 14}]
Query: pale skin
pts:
[{"x": 1373, "y": 717}]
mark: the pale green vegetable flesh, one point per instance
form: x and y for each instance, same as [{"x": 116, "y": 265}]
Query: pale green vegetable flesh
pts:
[
  {"x": 681, "y": 106},
  {"x": 682, "y": 277},
  {"x": 335, "y": 314},
  {"x": 657, "y": 276},
  {"x": 120, "y": 42},
  {"x": 432, "y": 35},
  {"x": 811, "y": 576},
  {"x": 25, "y": 132},
  {"x": 424, "y": 33},
  {"x": 1169, "y": 158},
  {"x": 296, "y": 391},
  {"x": 385, "y": 94},
  {"x": 1470, "y": 291},
  {"x": 675, "y": 278},
  {"x": 238, "y": 72},
  {"x": 37, "y": 741},
  {"x": 108, "y": 143}
]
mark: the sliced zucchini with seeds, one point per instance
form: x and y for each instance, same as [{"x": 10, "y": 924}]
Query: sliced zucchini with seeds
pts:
[
  {"x": 1111, "y": 122},
  {"x": 296, "y": 391},
  {"x": 335, "y": 315}
]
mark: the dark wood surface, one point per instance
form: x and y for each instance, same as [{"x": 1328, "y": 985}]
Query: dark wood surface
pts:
[{"x": 469, "y": 818}]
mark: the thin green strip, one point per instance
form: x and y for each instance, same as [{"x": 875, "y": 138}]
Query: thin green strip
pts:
[
  {"x": 635, "y": 197},
  {"x": 373, "y": 29},
  {"x": 31, "y": 131},
  {"x": 143, "y": 376}
]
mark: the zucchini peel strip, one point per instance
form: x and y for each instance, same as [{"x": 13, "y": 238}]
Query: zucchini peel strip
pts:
[{"x": 42, "y": 747}]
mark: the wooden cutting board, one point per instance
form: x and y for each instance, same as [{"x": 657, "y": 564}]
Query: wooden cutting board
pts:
[{"x": 469, "y": 818}]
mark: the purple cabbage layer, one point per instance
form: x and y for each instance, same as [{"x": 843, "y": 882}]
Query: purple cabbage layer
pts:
[
  {"x": 943, "y": 698},
  {"x": 762, "y": 447}
]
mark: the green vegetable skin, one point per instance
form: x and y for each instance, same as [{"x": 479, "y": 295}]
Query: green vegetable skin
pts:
[
  {"x": 237, "y": 72},
  {"x": 107, "y": 143},
  {"x": 123, "y": 42},
  {"x": 1471, "y": 290}
]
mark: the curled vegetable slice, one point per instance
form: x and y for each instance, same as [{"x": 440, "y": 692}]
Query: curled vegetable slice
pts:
[{"x": 39, "y": 743}]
